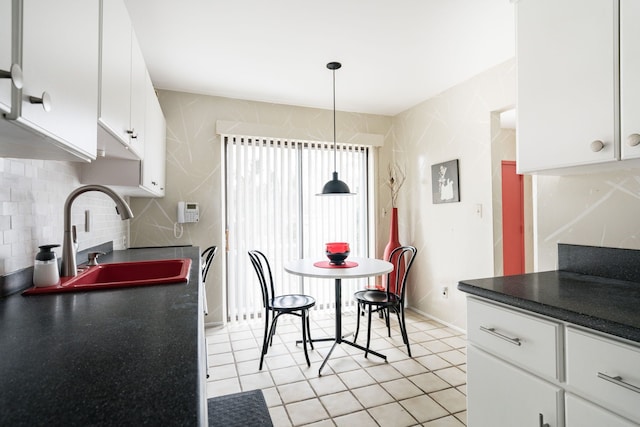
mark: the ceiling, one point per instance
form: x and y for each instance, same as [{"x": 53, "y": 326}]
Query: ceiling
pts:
[{"x": 394, "y": 53}]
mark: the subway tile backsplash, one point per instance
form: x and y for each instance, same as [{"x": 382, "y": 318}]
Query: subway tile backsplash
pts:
[{"x": 32, "y": 196}]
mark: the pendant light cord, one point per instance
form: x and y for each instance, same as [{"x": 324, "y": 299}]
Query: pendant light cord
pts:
[{"x": 335, "y": 167}]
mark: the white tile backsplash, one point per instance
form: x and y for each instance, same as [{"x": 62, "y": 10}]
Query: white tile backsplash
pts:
[{"x": 32, "y": 196}]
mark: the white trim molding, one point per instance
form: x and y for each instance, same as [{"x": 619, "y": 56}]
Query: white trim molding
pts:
[{"x": 257, "y": 130}]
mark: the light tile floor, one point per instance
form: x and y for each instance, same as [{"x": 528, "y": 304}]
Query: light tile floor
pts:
[{"x": 428, "y": 389}]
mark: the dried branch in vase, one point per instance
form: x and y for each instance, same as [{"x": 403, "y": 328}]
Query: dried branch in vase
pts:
[{"x": 394, "y": 181}]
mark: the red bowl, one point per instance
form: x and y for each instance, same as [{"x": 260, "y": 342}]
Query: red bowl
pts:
[{"x": 337, "y": 247}]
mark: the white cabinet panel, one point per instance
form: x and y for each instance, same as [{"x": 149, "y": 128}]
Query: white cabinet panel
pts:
[
  {"x": 500, "y": 394},
  {"x": 525, "y": 340},
  {"x": 592, "y": 361},
  {"x": 138, "y": 96},
  {"x": 56, "y": 45},
  {"x": 580, "y": 413},
  {"x": 153, "y": 166},
  {"x": 5, "y": 54},
  {"x": 567, "y": 83},
  {"x": 60, "y": 43},
  {"x": 629, "y": 81},
  {"x": 122, "y": 103},
  {"x": 115, "y": 63}
]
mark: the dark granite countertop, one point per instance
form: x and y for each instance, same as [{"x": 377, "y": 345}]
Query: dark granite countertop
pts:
[
  {"x": 606, "y": 305},
  {"x": 111, "y": 357}
]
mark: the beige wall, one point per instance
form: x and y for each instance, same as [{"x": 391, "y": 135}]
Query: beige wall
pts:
[
  {"x": 194, "y": 168},
  {"x": 597, "y": 209},
  {"x": 453, "y": 242}
]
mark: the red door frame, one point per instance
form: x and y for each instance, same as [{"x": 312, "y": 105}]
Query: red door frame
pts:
[{"x": 512, "y": 219}]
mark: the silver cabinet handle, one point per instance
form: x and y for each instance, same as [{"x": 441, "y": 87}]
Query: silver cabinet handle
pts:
[
  {"x": 45, "y": 100},
  {"x": 618, "y": 381},
  {"x": 492, "y": 331},
  {"x": 542, "y": 423},
  {"x": 15, "y": 74}
]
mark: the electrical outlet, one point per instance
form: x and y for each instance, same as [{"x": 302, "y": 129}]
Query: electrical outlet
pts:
[{"x": 444, "y": 292}]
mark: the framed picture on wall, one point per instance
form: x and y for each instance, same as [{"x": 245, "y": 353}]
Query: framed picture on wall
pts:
[{"x": 445, "y": 182}]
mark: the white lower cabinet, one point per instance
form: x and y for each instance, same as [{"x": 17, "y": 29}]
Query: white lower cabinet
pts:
[
  {"x": 581, "y": 413},
  {"x": 503, "y": 395},
  {"x": 604, "y": 371},
  {"x": 530, "y": 370}
]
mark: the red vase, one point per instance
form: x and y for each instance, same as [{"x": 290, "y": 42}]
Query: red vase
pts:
[{"x": 391, "y": 245}]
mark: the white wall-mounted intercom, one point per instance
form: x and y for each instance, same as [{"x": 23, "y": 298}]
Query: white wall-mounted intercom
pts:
[{"x": 188, "y": 212}]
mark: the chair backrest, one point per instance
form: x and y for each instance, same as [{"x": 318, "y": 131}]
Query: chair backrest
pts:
[
  {"x": 207, "y": 257},
  {"x": 260, "y": 264},
  {"x": 402, "y": 258}
]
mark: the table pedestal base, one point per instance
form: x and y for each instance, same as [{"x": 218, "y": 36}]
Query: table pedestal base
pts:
[{"x": 338, "y": 338}]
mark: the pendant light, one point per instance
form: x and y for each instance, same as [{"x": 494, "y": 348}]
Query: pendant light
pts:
[{"x": 335, "y": 187}]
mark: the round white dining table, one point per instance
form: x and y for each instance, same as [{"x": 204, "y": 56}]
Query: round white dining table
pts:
[{"x": 367, "y": 267}]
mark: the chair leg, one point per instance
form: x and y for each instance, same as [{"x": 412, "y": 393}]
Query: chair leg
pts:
[
  {"x": 368, "y": 333},
  {"x": 265, "y": 339},
  {"x": 387, "y": 315},
  {"x": 403, "y": 329},
  {"x": 304, "y": 335},
  {"x": 309, "y": 331},
  {"x": 272, "y": 331},
  {"x": 355, "y": 336}
]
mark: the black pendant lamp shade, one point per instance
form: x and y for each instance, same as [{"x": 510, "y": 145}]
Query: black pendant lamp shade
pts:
[{"x": 335, "y": 187}]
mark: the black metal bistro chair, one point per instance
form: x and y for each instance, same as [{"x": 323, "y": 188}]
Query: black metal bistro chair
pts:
[
  {"x": 206, "y": 257},
  {"x": 275, "y": 306},
  {"x": 388, "y": 301}
]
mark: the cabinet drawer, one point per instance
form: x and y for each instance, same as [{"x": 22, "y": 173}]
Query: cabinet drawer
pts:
[
  {"x": 530, "y": 342},
  {"x": 580, "y": 413},
  {"x": 501, "y": 395},
  {"x": 604, "y": 371}
]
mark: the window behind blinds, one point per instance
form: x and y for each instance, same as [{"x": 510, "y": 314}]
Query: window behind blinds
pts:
[{"x": 272, "y": 207}]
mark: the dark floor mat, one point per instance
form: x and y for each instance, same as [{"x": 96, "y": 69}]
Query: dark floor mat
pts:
[{"x": 246, "y": 409}]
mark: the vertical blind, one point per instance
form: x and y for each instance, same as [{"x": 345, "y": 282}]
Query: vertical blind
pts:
[{"x": 271, "y": 188}]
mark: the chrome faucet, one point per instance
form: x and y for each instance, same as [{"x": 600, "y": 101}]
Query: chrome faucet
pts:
[{"x": 68, "y": 247}]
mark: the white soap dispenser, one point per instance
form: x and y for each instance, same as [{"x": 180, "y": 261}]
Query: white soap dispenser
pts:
[{"x": 45, "y": 269}]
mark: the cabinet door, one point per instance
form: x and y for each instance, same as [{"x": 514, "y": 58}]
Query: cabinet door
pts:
[
  {"x": 138, "y": 97},
  {"x": 60, "y": 59},
  {"x": 604, "y": 371},
  {"x": 567, "y": 78},
  {"x": 5, "y": 54},
  {"x": 115, "y": 83},
  {"x": 498, "y": 394},
  {"x": 581, "y": 413},
  {"x": 629, "y": 82},
  {"x": 153, "y": 165}
]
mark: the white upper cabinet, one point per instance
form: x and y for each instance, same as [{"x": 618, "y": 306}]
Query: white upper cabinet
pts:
[
  {"x": 567, "y": 74},
  {"x": 56, "y": 109},
  {"x": 131, "y": 126},
  {"x": 131, "y": 177},
  {"x": 153, "y": 166},
  {"x": 5, "y": 56},
  {"x": 122, "y": 70},
  {"x": 629, "y": 81},
  {"x": 138, "y": 95}
]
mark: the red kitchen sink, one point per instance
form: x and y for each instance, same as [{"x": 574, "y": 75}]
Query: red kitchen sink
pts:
[{"x": 122, "y": 275}]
